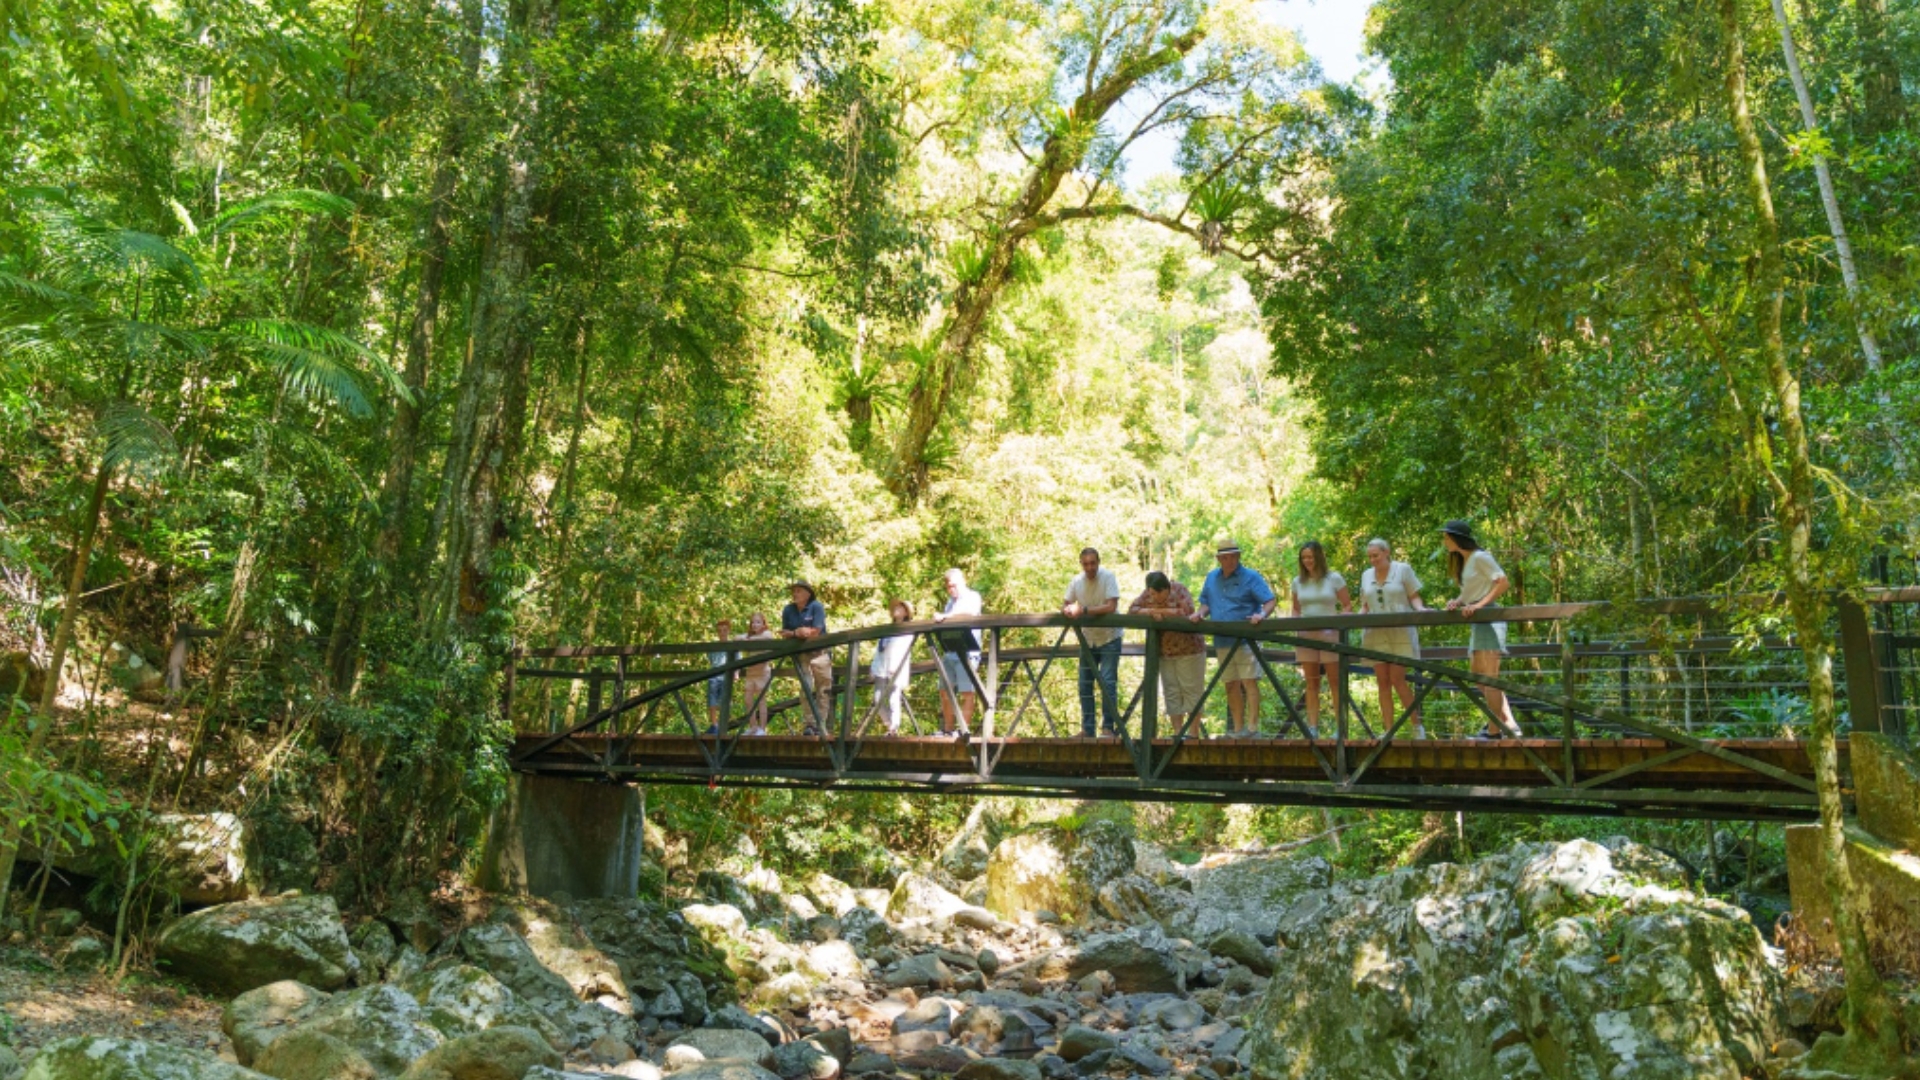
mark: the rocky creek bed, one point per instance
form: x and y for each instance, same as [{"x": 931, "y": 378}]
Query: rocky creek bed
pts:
[{"x": 1062, "y": 954}]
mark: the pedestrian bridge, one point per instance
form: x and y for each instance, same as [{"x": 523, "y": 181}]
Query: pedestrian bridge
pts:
[{"x": 1676, "y": 715}]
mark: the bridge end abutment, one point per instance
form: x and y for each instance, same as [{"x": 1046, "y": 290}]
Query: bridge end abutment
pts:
[
  {"x": 552, "y": 836},
  {"x": 1883, "y": 852}
]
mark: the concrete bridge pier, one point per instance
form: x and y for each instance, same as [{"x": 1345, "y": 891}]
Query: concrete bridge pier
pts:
[{"x": 554, "y": 835}]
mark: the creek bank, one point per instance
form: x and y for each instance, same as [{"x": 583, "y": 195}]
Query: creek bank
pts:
[{"x": 1553, "y": 961}]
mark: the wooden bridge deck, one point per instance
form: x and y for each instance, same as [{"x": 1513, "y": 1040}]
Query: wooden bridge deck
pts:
[{"x": 1647, "y": 777}]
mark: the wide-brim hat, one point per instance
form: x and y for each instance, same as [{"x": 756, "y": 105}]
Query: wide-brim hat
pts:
[
  {"x": 803, "y": 583},
  {"x": 1227, "y": 547},
  {"x": 1459, "y": 529}
]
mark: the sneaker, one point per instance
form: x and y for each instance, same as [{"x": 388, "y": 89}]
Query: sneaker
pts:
[
  {"x": 1109, "y": 733},
  {"x": 713, "y": 731},
  {"x": 1488, "y": 736}
]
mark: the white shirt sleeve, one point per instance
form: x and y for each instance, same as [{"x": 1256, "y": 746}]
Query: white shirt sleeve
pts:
[
  {"x": 1109, "y": 585},
  {"x": 1408, "y": 579}
]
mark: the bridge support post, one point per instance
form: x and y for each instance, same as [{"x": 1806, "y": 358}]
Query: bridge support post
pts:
[
  {"x": 555, "y": 835},
  {"x": 1861, "y": 652}
]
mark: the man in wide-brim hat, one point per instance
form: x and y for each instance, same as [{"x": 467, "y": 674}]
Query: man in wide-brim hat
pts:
[
  {"x": 1236, "y": 593},
  {"x": 803, "y": 620}
]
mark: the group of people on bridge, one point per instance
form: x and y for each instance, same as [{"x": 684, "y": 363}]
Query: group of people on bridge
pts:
[{"x": 1232, "y": 592}]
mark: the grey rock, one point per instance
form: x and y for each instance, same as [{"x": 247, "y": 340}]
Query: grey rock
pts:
[
  {"x": 805, "y": 1061},
  {"x": 232, "y": 948},
  {"x": 1242, "y": 948},
  {"x": 994, "y": 1025},
  {"x": 988, "y": 962},
  {"x": 1543, "y": 960},
  {"x": 1095, "y": 1063},
  {"x": 865, "y": 929},
  {"x": 999, "y": 1069},
  {"x": 1057, "y": 870},
  {"x": 735, "y": 1018},
  {"x": 462, "y": 999},
  {"x": 923, "y": 970},
  {"x": 313, "y": 1055},
  {"x": 726, "y": 1070},
  {"x": 1174, "y": 1014},
  {"x": 1140, "y": 961},
  {"x": 928, "y": 1014},
  {"x": 83, "y": 952},
  {"x": 384, "y": 1023},
  {"x": 720, "y": 1044},
  {"x": 1142, "y": 1059},
  {"x": 545, "y": 1072},
  {"x": 98, "y": 1057},
  {"x": 502, "y": 1053},
  {"x": 866, "y": 1061},
  {"x": 1229, "y": 1044},
  {"x": 374, "y": 945},
  {"x": 916, "y": 896},
  {"x": 947, "y": 1058},
  {"x": 1078, "y": 1042},
  {"x": 413, "y": 922},
  {"x": 263, "y": 1014},
  {"x": 1251, "y": 894},
  {"x": 835, "y": 1041}
]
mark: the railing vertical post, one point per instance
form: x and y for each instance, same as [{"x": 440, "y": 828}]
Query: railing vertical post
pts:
[
  {"x": 593, "y": 690},
  {"x": 1568, "y": 686},
  {"x": 619, "y": 683},
  {"x": 726, "y": 697},
  {"x": 991, "y": 706},
  {"x": 179, "y": 656},
  {"x": 1862, "y": 663},
  {"x": 177, "y": 664},
  {"x": 1149, "y": 702},
  {"x": 853, "y": 692},
  {"x": 1343, "y": 687},
  {"x": 1626, "y": 687}
]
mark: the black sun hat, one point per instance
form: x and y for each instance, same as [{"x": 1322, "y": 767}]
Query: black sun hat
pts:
[{"x": 1459, "y": 529}]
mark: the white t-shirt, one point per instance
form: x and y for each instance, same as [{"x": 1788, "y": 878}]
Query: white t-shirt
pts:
[
  {"x": 1392, "y": 596},
  {"x": 893, "y": 654},
  {"x": 1478, "y": 575},
  {"x": 1087, "y": 594},
  {"x": 1318, "y": 598}
]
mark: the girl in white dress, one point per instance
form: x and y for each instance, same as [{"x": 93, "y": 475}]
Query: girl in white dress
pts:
[
  {"x": 1319, "y": 592},
  {"x": 1390, "y": 588},
  {"x": 753, "y": 680},
  {"x": 1481, "y": 583},
  {"x": 893, "y": 669}
]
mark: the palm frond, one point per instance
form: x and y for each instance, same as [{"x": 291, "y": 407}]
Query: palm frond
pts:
[
  {"x": 275, "y": 205},
  {"x": 315, "y": 362},
  {"x": 17, "y": 289},
  {"x": 134, "y": 438}
]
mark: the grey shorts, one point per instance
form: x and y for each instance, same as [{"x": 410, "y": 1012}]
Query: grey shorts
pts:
[{"x": 957, "y": 671}]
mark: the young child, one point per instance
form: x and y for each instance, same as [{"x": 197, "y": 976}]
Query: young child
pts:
[
  {"x": 892, "y": 668},
  {"x": 717, "y": 686}
]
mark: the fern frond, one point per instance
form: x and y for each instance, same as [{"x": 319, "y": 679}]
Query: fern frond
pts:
[
  {"x": 279, "y": 204},
  {"x": 134, "y": 438},
  {"x": 315, "y": 362}
]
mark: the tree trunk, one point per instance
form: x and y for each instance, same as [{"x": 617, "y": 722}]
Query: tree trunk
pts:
[
  {"x": 42, "y": 730},
  {"x": 1873, "y": 1024},
  {"x": 974, "y": 300},
  {"x": 1842, "y": 247},
  {"x": 492, "y": 389},
  {"x": 1886, "y": 103}
]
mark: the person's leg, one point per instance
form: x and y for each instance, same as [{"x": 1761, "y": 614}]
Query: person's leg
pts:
[
  {"x": 1109, "y": 678},
  {"x": 1487, "y": 662},
  {"x": 966, "y": 711},
  {"x": 948, "y": 663},
  {"x": 1089, "y": 668},
  {"x": 1405, "y": 689},
  {"x": 1252, "y": 715},
  {"x": 1311, "y": 669},
  {"x": 822, "y": 714}
]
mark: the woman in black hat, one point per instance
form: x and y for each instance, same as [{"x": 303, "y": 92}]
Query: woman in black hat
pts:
[{"x": 1481, "y": 582}]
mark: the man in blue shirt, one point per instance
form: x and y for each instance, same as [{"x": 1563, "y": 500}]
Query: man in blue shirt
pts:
[
  {"x": 803, "y": 620},
  {"x": 1234, "y": 593}
]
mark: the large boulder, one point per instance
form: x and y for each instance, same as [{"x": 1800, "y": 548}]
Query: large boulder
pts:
[
  {"x": 918, "y": 897},
  {"x": 233, "y": 948},
  {"x": 314, "y": 1055},
  {"x": 462, "y": 1000},
  {"x": 1141, "y": 961},
  {"x": 727, "y": 1044},
  {"x": 263, "y": 1014},
  {"x": 1057, "y": 869},
  {"x": 98, "y": 1057},
  {"x": 383, "y": 1023},
  {"x": 1136, "y": 900},
  {"x": 1251, "y": 894},
  {"x": 502, "y": 1053},
  {"x": 1546, "y": 961}
]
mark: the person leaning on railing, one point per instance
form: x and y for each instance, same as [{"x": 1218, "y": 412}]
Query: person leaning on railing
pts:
[
  {"x": 803, "y": 620},
  {"x": 1481, "y": 582},
  {"x": 1236, "y": 593},
  {"x": 754, "y": 680},
  {"x": 1317, "y": 593},
  {"x": 961, "y": 653},
  {"x": 1388, "y": 587},
  {"x": 1094, "y": 592},
  {"x": 1183, "y": 657}
]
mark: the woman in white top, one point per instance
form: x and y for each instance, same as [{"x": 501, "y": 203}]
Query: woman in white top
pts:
[
  {"x": 1390, "y": 588},
  {"x": 1481, "y": 583},
  {"x": 754, "y": 680},
  {"x": 893, "y": 668},
  {"x": 1317, "y": 593}
]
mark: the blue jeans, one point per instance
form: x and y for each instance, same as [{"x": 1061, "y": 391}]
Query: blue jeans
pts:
[{"x": 1101, "y": 662}]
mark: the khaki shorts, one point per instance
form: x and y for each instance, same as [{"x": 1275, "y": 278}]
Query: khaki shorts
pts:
[
  {"x": 1182, "y": 678},
  {"x": 1398, "y": 640},
  {"x": 1317, "y": 656},
  {"x": 1243, "y": 667}
]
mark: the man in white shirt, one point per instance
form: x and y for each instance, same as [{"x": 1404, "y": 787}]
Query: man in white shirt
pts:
[
  {"x": 960, "y": 655},
  {"x": 1094, "y": 591}
]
